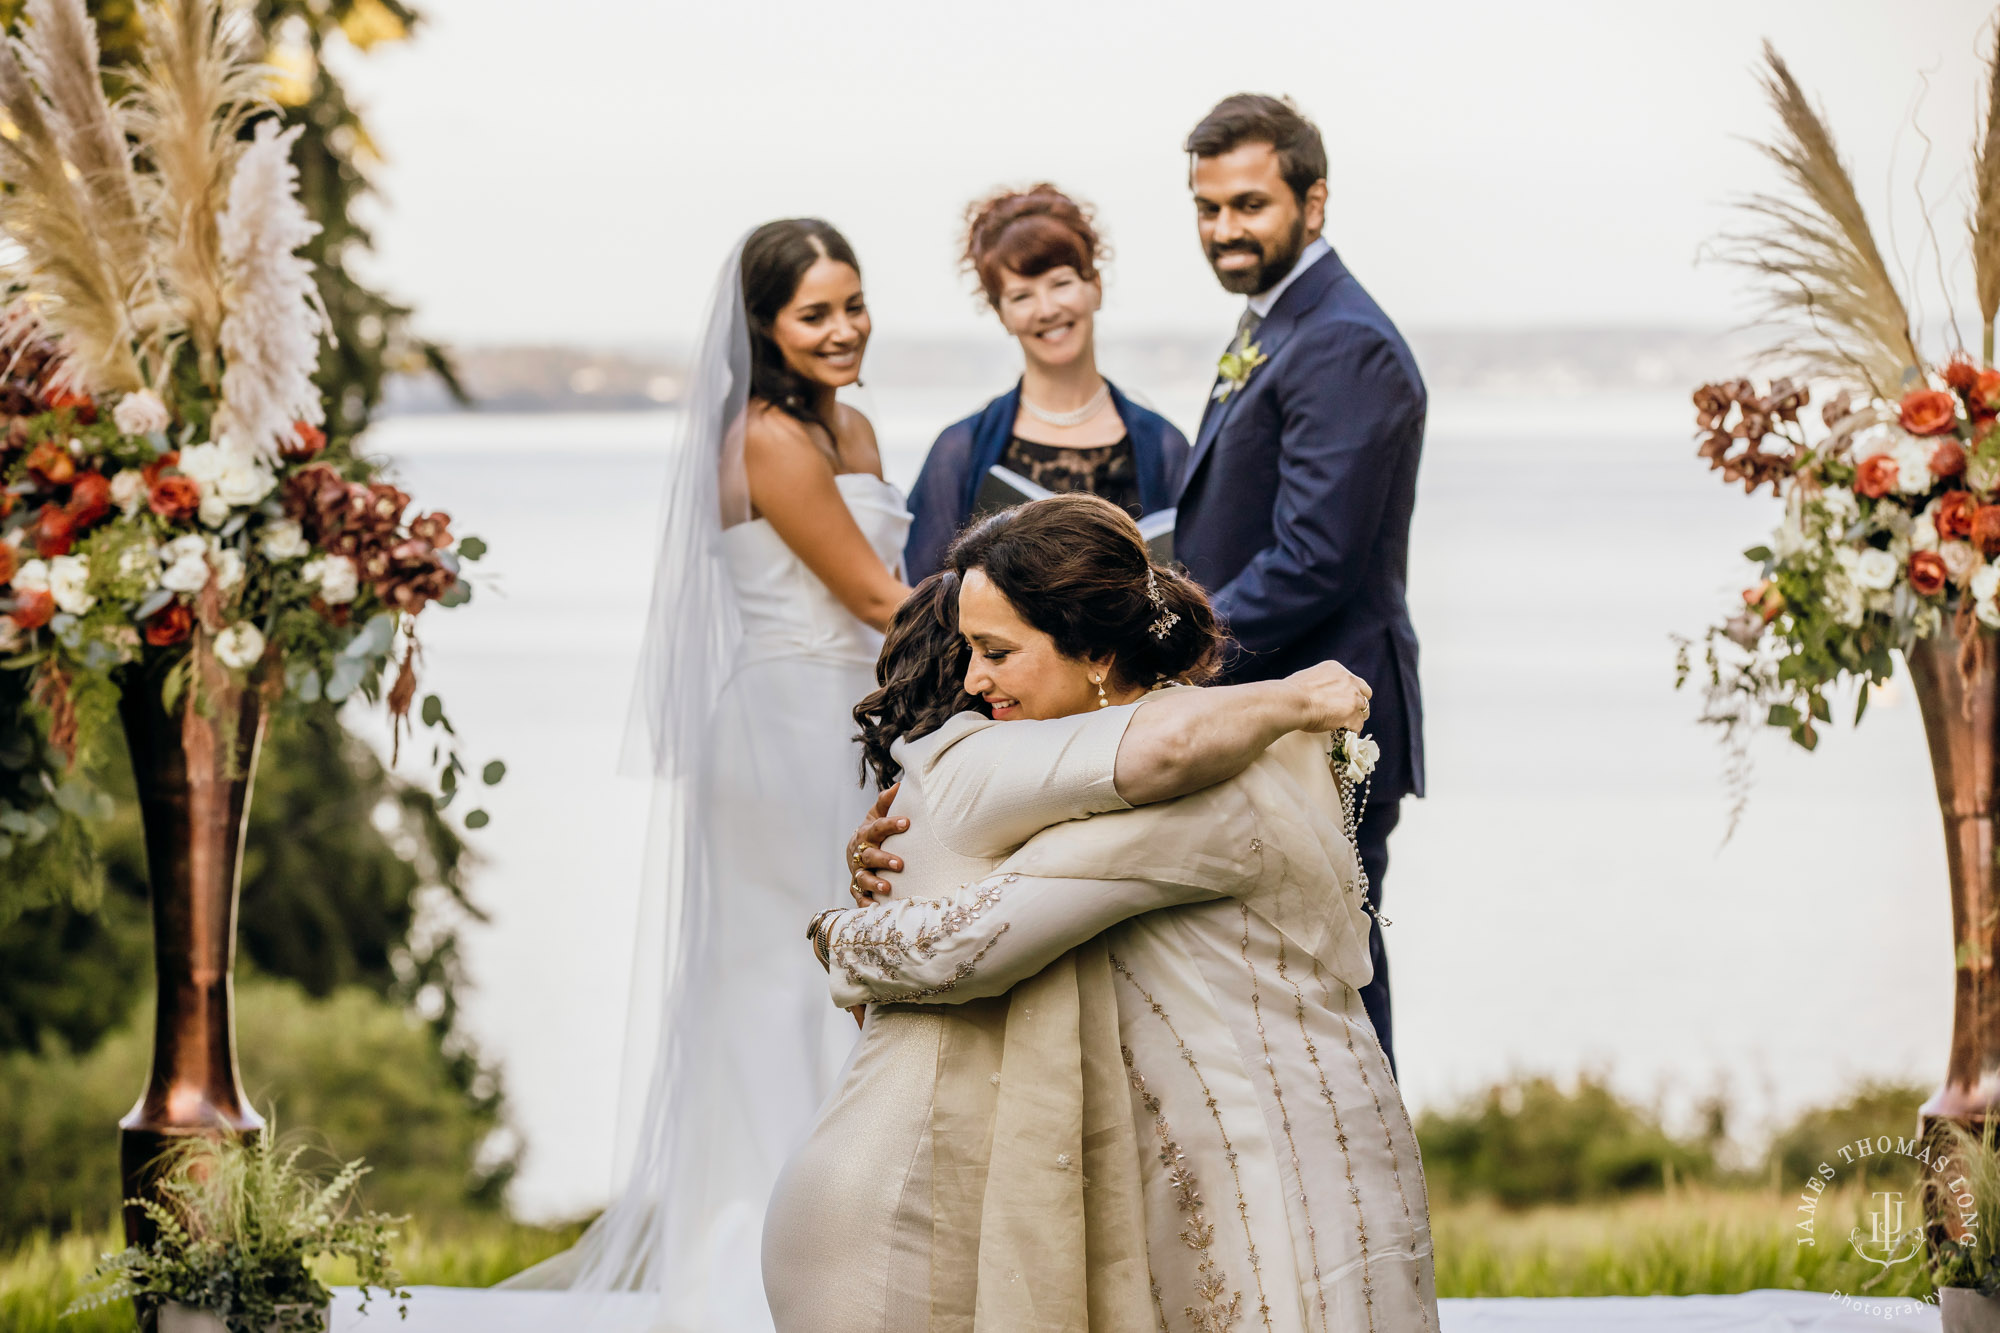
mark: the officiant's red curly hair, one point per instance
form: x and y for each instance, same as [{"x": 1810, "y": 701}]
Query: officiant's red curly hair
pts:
[{"x": 1030, "y": 232}]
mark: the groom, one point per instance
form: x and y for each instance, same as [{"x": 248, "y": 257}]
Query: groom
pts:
[{"x": 1295, "y": 511}]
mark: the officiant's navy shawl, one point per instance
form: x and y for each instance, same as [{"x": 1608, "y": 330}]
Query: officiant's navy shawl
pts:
[
  {"x": 945, "y": 491},
  {"x": 1295, "y": 514}
]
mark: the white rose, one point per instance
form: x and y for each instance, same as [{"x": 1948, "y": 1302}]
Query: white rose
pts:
[
  {"x": 1959, "y": 560},
  {"x": 128, "y": 490},
  {"x": 214, "y": 510},
  {"x": 1899, "y": 550},
  {"x": 1846, "y": 559},
  {"x": 140, "y": 413},
  {"x": 1362, "y": 754},
  {"x": 32, "y": 577},
  {"x": 1984, "y": 583},
  {"x": 186, "y": 573},
  {"x": 69, "y": 578},
  {"x": 1913, "y": 466},
  {"x": 181, "y": 547},
  {"x": 239, "y": 646},
  {"x": 244, "y": 483},
  {"x": 1923, "y": 532},
  {"x": 203, "y": 464},
  {"x": 336, "y": 576},
  {"x": 228, "y": 568},
  {"x": 284, "y": 539}
]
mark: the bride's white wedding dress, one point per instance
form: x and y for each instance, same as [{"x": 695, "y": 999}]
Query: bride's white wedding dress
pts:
[{"x": 782, "y": 793}]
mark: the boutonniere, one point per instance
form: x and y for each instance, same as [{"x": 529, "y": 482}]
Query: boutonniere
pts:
[{"x": 1235, "y": 366}]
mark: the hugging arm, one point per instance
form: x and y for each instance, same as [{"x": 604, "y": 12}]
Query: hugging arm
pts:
[
  {"x": 1005, "y": 929},
  {"x": 999, "y": 786}
]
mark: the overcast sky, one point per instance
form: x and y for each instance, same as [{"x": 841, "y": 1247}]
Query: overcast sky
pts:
[{"x": 575, "y": 172}]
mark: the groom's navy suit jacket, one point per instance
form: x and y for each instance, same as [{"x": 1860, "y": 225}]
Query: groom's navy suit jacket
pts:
[{"x": 1295, "y": 513}]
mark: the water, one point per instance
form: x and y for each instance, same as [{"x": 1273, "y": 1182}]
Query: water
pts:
[{"x": 1560, "y": 901}]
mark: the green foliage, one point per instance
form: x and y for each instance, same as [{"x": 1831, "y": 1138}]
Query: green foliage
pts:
[
  {"x": 339, "y": 855},
  {"x": 1963, "y": 1201},
  {"x": 239, "y": 1225},
  {"x": 367, "y": 1078},
  {"x": 1531, "y": 1140},
  {"x": 1682, "y": 1242},
  {"x": 1873, "y": 1109},
  {"x": 44, "y": 1274}
]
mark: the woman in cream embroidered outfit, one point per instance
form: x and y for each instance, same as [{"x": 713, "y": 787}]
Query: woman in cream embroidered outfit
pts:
[{"x": 1115, "y": 1074}]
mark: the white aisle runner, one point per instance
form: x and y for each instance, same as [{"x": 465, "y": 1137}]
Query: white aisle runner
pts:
[{"x": 458, "y": 1310}]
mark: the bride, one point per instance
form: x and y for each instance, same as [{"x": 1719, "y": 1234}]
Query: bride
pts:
[
  {"x": 777, "y": 568},
  {"x": 1115, "y": 1072}
]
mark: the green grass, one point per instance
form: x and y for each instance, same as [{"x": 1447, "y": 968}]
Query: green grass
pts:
[
  {"x": 1681, "y": 1242},
  {"x": 40, "y": 1278}
]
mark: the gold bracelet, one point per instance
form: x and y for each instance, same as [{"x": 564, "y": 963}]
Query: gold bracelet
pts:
[{"x": 819, "y": 931}]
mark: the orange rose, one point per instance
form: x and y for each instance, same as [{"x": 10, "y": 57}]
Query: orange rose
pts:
[
  {"x": 1986, "y": 529},
  {"x": 1928, "y": 412},
  {"x": 1948, "y": 458},
  {"x": 32, "y": 610},
  {"x": 1876, "y": 477},
  {"x": 9, "y": 562},
  {"x": 169, "y": 625},
  {"x": 1985, "y": 396},
  {"x": 86, "y": 411},
  {"x": 176, "y": 499},
  {"x": 151, "y": 472},
  {"x": 1954, "y": 516},
  {"x": 1961, "y": 374},
  {"x": 52, "y": 463},
  {"x": 1928, "y": 574},
  {"x": 55, "y": 531},
  {"x": 307, "y": 440},
  {"x": 1765, "y": 600},
  {"x": 89, "y": 498}
]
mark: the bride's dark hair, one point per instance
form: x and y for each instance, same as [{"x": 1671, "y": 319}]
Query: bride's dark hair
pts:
[
  {"x": 775, "y": 258},
  {"x": 1074, "y": 567}
]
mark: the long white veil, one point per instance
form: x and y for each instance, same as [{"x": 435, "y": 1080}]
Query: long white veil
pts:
[{"x": 692, "y": 630}]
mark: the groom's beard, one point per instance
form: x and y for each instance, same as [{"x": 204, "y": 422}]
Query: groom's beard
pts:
[{"x": 1270, "y": 269}]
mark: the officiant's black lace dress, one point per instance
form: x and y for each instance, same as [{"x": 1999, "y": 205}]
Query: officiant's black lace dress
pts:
[{"x": 1107, "y": 470}]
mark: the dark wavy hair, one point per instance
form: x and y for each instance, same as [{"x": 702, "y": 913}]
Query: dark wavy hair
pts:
[
  {"x": 920, "y": 674},
  {"x": 1074, "y": 567},
  {"x": 775, "y": 259},
  {"x": 1256, "y": 118}
]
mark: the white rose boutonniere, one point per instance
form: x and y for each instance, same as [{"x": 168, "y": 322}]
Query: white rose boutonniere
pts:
[{"x": 1236, "y": 366}]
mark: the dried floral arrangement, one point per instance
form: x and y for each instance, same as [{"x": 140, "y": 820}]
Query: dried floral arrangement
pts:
[
  {"x": 1891, "y": 489},
  {"x": 171, "y": 515}
]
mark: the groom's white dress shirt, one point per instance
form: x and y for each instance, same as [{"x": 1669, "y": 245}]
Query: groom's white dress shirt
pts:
[{"x": 1260, "y": 304}]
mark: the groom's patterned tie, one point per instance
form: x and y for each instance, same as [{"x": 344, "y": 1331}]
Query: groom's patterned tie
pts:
[{"x": 1246, "y": 327}]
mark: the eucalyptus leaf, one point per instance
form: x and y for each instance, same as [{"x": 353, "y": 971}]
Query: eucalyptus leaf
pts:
[
  {"x": 471, "y": 548},
  {"x": 156, "y": 601},
  {"x": 458, "y": 594},
  {"x": 433, "y": 711},
  {"x": 493, "y": 772},
  {"x": 477, "y": 819},
  {"x": 448, "y": 561},
  {"x": 347, "y": 675}
]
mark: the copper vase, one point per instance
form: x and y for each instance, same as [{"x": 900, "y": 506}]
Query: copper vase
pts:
[
  {"x": 1961, "y": 708},
  {"x": 192, "y": 765}
]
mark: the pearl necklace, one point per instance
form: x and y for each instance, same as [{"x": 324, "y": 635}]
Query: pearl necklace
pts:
[{"x": 1076, "y": 418}]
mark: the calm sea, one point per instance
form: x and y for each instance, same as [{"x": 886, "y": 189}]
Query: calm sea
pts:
[{"x": 1561, "y": 901}]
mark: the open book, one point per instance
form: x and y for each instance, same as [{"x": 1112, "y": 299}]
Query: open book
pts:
[{"x": 1004, "y": 488}]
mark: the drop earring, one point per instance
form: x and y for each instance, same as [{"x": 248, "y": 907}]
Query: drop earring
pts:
[{"x": 1102, "y": 702}]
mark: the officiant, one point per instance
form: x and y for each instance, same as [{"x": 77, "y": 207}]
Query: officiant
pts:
[{"x": 1063, "y": 426}]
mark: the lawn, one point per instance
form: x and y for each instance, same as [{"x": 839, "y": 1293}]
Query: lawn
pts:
[{"x": 1681, "y": 1242}]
